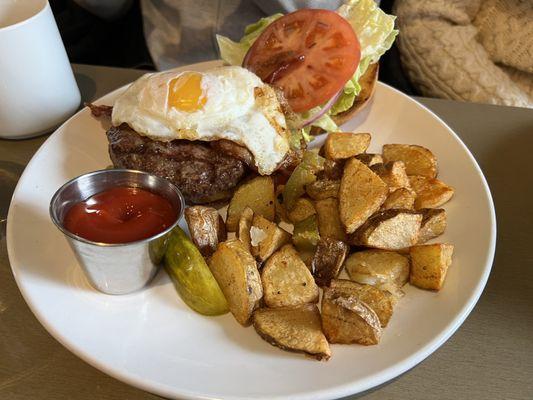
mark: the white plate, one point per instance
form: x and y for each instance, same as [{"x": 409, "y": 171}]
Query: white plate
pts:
[{"x": 152, "y": 340}]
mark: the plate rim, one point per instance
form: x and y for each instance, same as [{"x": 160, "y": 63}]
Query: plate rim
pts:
[{"x": 337, "y": 391}]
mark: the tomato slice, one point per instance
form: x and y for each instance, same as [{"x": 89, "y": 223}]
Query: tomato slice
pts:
[{"x": 310, "y": 54}]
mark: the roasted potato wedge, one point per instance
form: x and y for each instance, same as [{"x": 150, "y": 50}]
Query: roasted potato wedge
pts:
[
  {"x": 378, "y": 300},
  {"x": 342, "y": 145},
  {"x": 303, "y": 208},
  {"x": 389, "y": 230},
  {"x": 304, "y": 174},
  {"x": 296, "y": 329},
  {"x": 328, "y": 260},
  {"x": 258, "y": 194},
  {"x": 361, "y": 194},
  {"x": 305, "y": 235},
  {"x": 323, "y": 189},
  {"x": 433, "y": 224},
  {"x": 393, "y": 174},
  {"x": 430, "y": 192},
  {"x": 245, "y": 223},
  {"x": 287, "y": 280},
  {"x": 266, "y": 237},
  {"x": 347, "y": 319},
  {"x": 429, "y": 265},
  {"x": 206, "y": 227},
  {"x": 386, "y": 270},
  {"x": 329, "y": 223},
  {"x": 417, "y": 159},
  {"x": 402, "y": 198},
  {"x": 370, "y": 159},
  {"x": 235, "y": 270}
]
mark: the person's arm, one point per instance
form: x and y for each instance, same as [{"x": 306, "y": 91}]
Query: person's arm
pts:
[
  {"x": 443, "y": 58},
  {"x": 107, "y": 9}
]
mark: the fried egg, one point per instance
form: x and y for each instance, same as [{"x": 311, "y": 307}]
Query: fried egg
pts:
[{"x": 223, "y": 103}]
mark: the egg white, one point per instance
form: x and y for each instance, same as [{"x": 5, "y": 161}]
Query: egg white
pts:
[{"x": 239, "y": 107}]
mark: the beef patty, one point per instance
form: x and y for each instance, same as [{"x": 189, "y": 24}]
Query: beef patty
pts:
[{"x": 202, "y": 173}]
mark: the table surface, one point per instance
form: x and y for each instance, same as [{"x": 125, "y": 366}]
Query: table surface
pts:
[{"x": 489, "y": 357}]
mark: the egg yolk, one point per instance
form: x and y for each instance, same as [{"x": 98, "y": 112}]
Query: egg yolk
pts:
[{"x": 185, "y": 92}]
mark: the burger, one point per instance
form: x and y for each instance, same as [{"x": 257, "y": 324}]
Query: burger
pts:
[{"x": 288, "y": 76}]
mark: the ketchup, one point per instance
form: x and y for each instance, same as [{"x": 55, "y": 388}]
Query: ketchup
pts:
[{"x": 120, "y": 215}]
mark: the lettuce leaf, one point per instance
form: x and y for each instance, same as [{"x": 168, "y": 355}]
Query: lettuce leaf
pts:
[
  {"x": 233, "y": 52},
  {"x": 373, "y": 27},
  {"x": 324, "y": 122},
  {"x": 375, "y": 31},
  {"x": 351, "y": 89}
]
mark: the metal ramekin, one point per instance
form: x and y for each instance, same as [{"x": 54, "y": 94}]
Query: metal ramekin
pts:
[{"x": 116, "y": 268}]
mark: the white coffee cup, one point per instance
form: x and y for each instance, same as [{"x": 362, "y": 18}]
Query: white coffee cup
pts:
[{"x": 37, "y": 87}]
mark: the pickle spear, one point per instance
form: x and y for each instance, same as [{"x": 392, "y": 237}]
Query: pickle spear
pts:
[{"x": 192, "y": 277}]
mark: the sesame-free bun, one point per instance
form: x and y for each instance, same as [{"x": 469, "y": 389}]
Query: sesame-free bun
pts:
[{"x": 368, "y": 85}]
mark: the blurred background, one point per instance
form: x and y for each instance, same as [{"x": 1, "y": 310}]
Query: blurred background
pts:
[{"x": 466, "y": 50}]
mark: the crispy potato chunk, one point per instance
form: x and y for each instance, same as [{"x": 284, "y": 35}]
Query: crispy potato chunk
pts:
[
  {"x": 433, "y": 224},
  {"x": 347, "y": 319},
  {"x": 258, "y": 194},
  {"x": 206, "y": 227},
  {"x": 307, "y": 257},
  {"x": 302, "y": 209},
  {"x": 429, "y": 265},
  {"x": 329, "y": 223},
  {"x": 305, "y": 235},
  {"x": 266, "y": 237},
  {"x": 328, "y": 260},
  {"x": 402, "y": 198},
  {"x": 393, "y": 174},
  {"x": 323, "y": 189},
  {"x": 280, "y": 211},
  {"x": 342, "y": 145},
  {"x": 417, "y": 159},
  {"x": 287, "y": 280},
  {"x": 296, "y": 329},
  {"x": 389, "y": 230},
  {"x": 361, "y": 194},
  {"x": 245, "y": 223},
  {"x": 386, "y": 270},
  {"x": 378, "y": 300},
  {"x": 370, "y": 159},
  {"x": 430, "y": 192},
  {"x": 235, "y": 271}
]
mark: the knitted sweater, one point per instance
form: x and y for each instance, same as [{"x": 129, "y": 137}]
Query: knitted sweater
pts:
[{"x": 469, "y": 50}]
